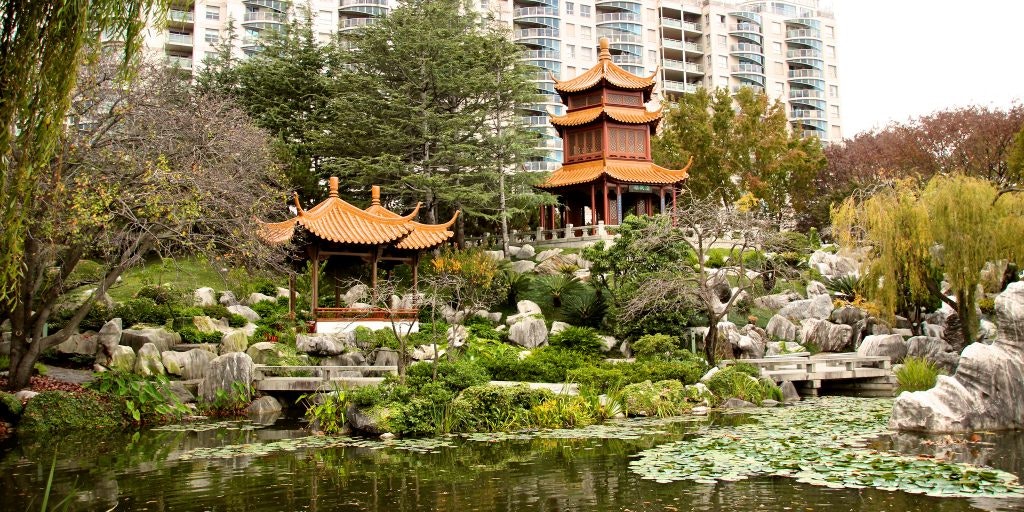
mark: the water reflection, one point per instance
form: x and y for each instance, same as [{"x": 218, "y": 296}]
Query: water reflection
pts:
[{"x": 140, "y": 471}]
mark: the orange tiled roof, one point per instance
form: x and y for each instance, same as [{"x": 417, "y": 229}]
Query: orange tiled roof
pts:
[
  {"x": 618, "y": 170},
  {"x": 608, "y": 71},
  {"x": 338, "y": 221},
  {"x": 622, "y": 114}
]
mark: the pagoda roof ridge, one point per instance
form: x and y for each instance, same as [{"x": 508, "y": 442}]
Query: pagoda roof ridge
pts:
[
  {"x": 624, "y": 171},
  {"x": 604, "y": 70},
  {"x": 628, "y": 115}
]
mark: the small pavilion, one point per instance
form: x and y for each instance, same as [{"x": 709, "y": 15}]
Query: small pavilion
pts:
[
  {"x": 337, "y": 230},
  {"x": 607, "y": 170}
]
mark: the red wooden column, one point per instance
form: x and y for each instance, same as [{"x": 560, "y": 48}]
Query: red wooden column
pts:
[
  {"x": 593, "y": 204},
  {"x": 542, "y": 220},
  {"x": 554, "y": 221},
  {"x": 604, "y": 195}
]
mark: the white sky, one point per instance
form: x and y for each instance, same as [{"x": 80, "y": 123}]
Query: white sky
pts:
[{"x": 900, "y": 59}]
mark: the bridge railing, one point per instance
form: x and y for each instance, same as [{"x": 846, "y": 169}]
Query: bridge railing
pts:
[
  {"x": 324, "y": 373},
  {"x": 831, "y": 366}
]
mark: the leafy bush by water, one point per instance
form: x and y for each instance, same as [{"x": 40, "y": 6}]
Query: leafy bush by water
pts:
[
  {"x": 916, "y": 374},
  {"x": 452, "y": 375},
  {"x": 140, "y": 399},
  {"x": 60, "y": 411},
  {"x": 733, "y": 382},
  {"x": 585, "y": 340},
  {"x": 660, "y": 399}
]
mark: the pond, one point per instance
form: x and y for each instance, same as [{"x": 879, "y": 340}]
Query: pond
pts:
[{"x": 824, "y": 454}]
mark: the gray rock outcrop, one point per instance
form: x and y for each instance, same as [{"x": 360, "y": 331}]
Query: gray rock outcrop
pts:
[
  {"x": 523, "y": 266},
  {"x": 891, "y": 345},
  {"x": 550, "y": 253},
  {"x": 224, "y": 372},
  {"x": 987, "y": 391},
  {"x": 148, "y": 362},
  {"x": 818, "y": 307},
  {"x": 263, "y": 405},
  {"x": 264, "y": 352},
  {"x": 832, "y": 265},
  {"x": 121, "y": 359},
  {"x": 825, "y": 335},
  {"x": 780, "y": 328},
  {"x": 257, "y": 297},
  {"x": 528, "y": 332},
  {"x": 187, "y": 365},
  {"x": 109, "y": 338},
  {"x": 525, "y": 252},
  {"x": 84, "y": 344},
  {"x": 204, "y": 296},
  {"x": 789, "y": 393},
  {"x": 816, "y": 288},
  {"x": 234, "y": 341},
  {"x": 136, "y": 338},
  {"x": 324, "y": 344},
  {"x": 935, "y": 351},
  {"x": 244, "y": 311},
  {"x": 776, "y": 301},
  {"x": 227, "y": 298}
]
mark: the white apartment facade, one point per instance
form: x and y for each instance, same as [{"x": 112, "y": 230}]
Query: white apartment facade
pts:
[{"x": 785, "y": 48}]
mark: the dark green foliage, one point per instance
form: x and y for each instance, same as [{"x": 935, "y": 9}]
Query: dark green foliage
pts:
[
  {"x": 517, "y": 286},
  {"x": 481, "y": 328},
  {"x": 93, "y": 321},
  {"x": 189, "y": 312},
  {"x": 162, "y": 295},
  {"x": 264, "y": 286},
  {"x": 189, "y": 334},
  {"x": 453, "y": 375},
  {"x": 236, "y": 320},
  {"x": 548, "y": 364},
  {"x": 10, "y": 407},
  {"x": 585, "y": 340},
  {"x": 142, "y": 310},
  {"x": 59, "y": 411},
  {"x": 813, "y": 239},
  {"x": 268, "y": 309},
  {"x": 734, "y": 382},
  {"x": 494, "y": 408},
  {"x": 599, "y": 379},
  {"x": 747, "y": 368},
  {"x": 656, "y": 346},
  {"x": 845, "y": 287},
  {"x": 383, "y": 393},
  {"x": 431, "y": 411},
  {"x": 142, "y": 400},
  {"x": 216, "y": 311},
  {"x": 587, "y": 308},
  {"x": 553, "y": 290},
  {"x": 675, "y": 323},
  {"x": 916, "y": 374},
  {"x": 656, "y": 399}
]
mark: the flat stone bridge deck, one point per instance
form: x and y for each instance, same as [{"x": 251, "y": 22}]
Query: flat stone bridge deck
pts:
[{"x": 842, "y": 373}]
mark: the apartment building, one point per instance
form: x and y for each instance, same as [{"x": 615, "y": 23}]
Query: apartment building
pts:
[{"x": 787, "y": 49}]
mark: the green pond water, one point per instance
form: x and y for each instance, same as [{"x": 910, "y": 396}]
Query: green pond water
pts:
[{"x": 829, "y": 454}]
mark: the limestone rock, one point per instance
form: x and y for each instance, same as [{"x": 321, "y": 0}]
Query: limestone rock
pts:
[
  {"x": 148, "y": 362},
  {"x": 523, "y": 266},
  {"x": 324, "y": 344},
  {"x": 848, "y": 315},
  {"x": 187, "y": 365},
  {"x": 781, "y": 328},
  {"x": 223, "y": 372},
  {"x": 818, "y": 307},
  {"x": 451, "y": 316},
  {"x": 710, "y": 373},
  {"x": 264, "y": 352},
  {"x": 525, "y": 252},
  {"x": 557, "y": 327},
  {"x": 84, "y": 344},
  {"x": 246, "y": 311},
  {"x": 206, "y": 324},
  {"x": 513, "y": 251},
  {"x": 987, "y": 391},
  {"x": 544, "y": 255},
  {"x": 136, "y": 338},
  {"x": 457, "y": 335},
  {"x": 986, "y": 331},
  {"x": 263, "y": 405},
  {"x": 426, "y": 353},
  {"x": 204, "y": 297},
  {"x": 728, "y": 332},
  {"x": 283, "y": 293},
  {"x": 257, "y": 297},
  {"x": 234, "y": 341},
  {"x": 368, "y": 422},
  {"x": 529, "y": 332},
  {"x": 816, "y": 288},
  {"x": 934, "y": 350},
  {"x": 483, "y": 313},
  {"x": 832, "y": 265},
  {"x": 736, "y": 403},
  {"x": 626, "y": 349},
  {"x": 556, "y": 264},
  {"x": 789, "y": 394},
  {"x": 496, "y": 255},
  {"x": 609, "y": 343},
  {"x": 891, "y": 345},
  {"x": 181, "y": 392},
  {"x": 825, "y": 335},
  {"x": 121, "y": 359},
  {"x": 25, "y": 395},
  {"x": 776, "y": 301},
  {"x": 109, "y": 337},
  {"x": 385, "y": 357},
  {"x": 782, "y": 348},
  {"x": 227, "y": 298}
]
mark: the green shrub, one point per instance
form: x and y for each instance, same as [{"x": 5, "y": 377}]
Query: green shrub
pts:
[
  {"x": 660, "y": 399},
  {"x": 733, "y": 382},
  {"x": 142, "y": 400},
  {"x": 548, "y": 364},
  {"x": 326, "y": 410},
  {"x": 598, "y": 380},
  {"x": 500, "y": 360},
  {"x": 216, "y": 311},
  {"x": 845, "y": 287},
  {"x": 585, "y": 340},
  {"x": 385, "y": 392},
  {"x": 562, "y": 411},
  {"x": 10, "y": 407},
  {"x": 916, "y": 374},
  {"x": 431, "y": 411},
  {"x": 264, "y": 286},
  {"x": 93, "y": 321},
  {"x": 482, "y": 329},
  {"x": 190, "y": 334},
  {"x": 675, "y": 323},
  {"x": 515, "y": 285},
  {"x": 364, "y": 337},
  {"x": 814, "y": 239},
  {"x": 586, "y": 308},
  {"x": 715, "y": 258},
  {"x": 142, "y": 310},
  {"x": 59, "y": 411},
  {"x": 269, "y": 310},
  {"x": 452, "y": 375},
  {"x": 386, "y": 338},
  {"x": 189, "y": 312},
  {"x": 656, "y": 346},
  {"x": 987, "y": 305},
  {"x": 687, "y": 371},
  {"x": 236, "y": 320},
  {"x": 497, "y": 408},
  {"x": 162, "y": 295}
]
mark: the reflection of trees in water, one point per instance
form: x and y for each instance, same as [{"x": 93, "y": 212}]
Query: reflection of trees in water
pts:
[{"x": 1000, "y": 450}]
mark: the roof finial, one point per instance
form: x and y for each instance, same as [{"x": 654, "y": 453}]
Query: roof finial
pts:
[
  {"x": 604, "y": 54},
  {"x": 334, "y": 186},
  {"x": 375, "y": 195}
]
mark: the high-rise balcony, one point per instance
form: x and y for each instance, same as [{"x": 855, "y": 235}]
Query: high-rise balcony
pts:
[
  {"x": 679, "y": 65},
  {"x": 750, "y": 17},
  {"x": 806, "y": 53},
  {"x": 616, "y": 36},
  {"x": 628, "y": 59},
  {"x": 177, "y": 17},
  {"x": 797, "y": 94},
  {"x": 673, "y": 86},
  {"x": 613, "y": 17},
  {"x": 803, "y": 33},
  {"x": 274, "y": 5},
  {"x": 748, "y": 68},
  {"x": 745, "y": 27},
  {"x": 531, "y": 121},
  {"x": 542, "y": 54},
  {"x": 265, "y": 17},
  {"x": 355, "y": 23},
  {"x": 534, "y": 11},
  {"x": 179, "y": 62},
  {"x": 179, "y": 40},
  {"x": 671, "y": 23},
  {"x": 806, "y": 73},
  {"x": 691, "y": 27},
  {"x": 746, "y": 48},
  {"x": 531, "y": 33},
  {"x": 806, "y": 113},
  {"x": 363, "y": 7}
]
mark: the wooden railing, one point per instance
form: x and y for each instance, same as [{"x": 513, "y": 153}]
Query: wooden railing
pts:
[{"x": 350, "y": 314}]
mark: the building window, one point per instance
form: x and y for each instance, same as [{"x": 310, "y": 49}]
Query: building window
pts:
[
  {"x": 778, "y": 88},
  {"x": 652, "y": 36},
  {"x": 570, "y": 29},
  {"x": 776, "y": 28},
  {"x": 777, "y": 48},
  {"x": 835, "y": 110},
  {"x": 830, "y": 51},
  {"x": 588, "y": 54},
  {"x": 585, "y": 11},
  {"x": 833, "y": 91},
  {"x": 722, "y": 40},
  {"x": 585, "y": 33},
  {"x": 625, "y": 98},
  {"x": 830, "y": 31},
  {"x": 652, "y": 57},
  {"x": 212, "y": 35},
  {"x": 483, "y": 4},
  {"x": 837, "y": 133},
  {"x": 832, "y": 72},
  {"x": 585, "y": 101},
  {"x": 721, "y": 19},
  {"x": 569, "y": 6},
  {"x": 570, "y": 51},
  {"x": 584, "y": 144},
  {"x": 326, "y": 20},
  {"x": 212, "y": 13},
  {"x": 652, "y": 15},
  {"x": 723, "y": 61},
  {"x": 779, "y": 69},
  {"x": 570, "y": 71}
]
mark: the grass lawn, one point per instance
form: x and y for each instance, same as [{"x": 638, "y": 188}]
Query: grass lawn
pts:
[{"x": 182, "y": 274}]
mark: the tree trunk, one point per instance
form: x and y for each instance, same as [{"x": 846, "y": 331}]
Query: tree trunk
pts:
[
  {"x": 968, "y": 312},
  {"x": 23, "y": 359},
  {"x": 710, "y": 342}
]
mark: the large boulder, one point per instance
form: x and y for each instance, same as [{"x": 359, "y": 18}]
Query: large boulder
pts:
[
  {"x": 818, "y": 307},
  {"x": 789, "y": 393},
  {"x": 385, "y": 357},
  {"x": 206, "y": 324},
  {"x": 525, "y": 252},
  {"x": 776, "y": 301},
  {"x": 264, "y": 352},
  {"x": 848, "y": 315},
  {"x": 84, "y": 344},
  {"x": 496, "y": 255},
  {"x": 816, "y": 288},
  {"x": 257, "y": 297},
  {"x": 523, "y": 266},
  {"x": 234, "y": 341},
  {"x": 227, "y": 298},
  {"x": 825, "y": 335},
  {"x": 783, "y": 348},
  {"x": 832, "y": 265},
  {"x": 550, "y": 253},
  {"x": 187, "y": 365},
  {"x": 780, "y": 328},
  {"x": 368, "y": 421},
  {"x": 136, "y": 338},
  {"x": 204, "y": 296},
  {"x": 457, "y": 335},
  {"x": 528, "y": 332},
  {"x": 244, "y": 311},
  {"x": 556, "y": 264},
  {"x": 263, "y": 405},
  {"x": 987, "y": 391},
  {"x": 224, "y": 372},
  {"x": 109, "y": 338},
  {"x": 891, "y": 345},
  {"x": 148, "y": 362},
  {"x": 557, "y": 327},
  {"x": 356, "y": 293},
  {"x": 935, "y": 351},
  {"x": 324, "y": 344},
  {"x": 121, "y": 359}
]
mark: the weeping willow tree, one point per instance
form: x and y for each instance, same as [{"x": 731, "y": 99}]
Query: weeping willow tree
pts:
[
  {"x": 917, "y": 237},
  {"x": 41, "y": 43}
]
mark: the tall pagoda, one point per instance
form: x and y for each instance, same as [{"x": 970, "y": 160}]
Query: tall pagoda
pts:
[
  {"x": 336, "y": 229},
  {"x": 607, "y": 171}
]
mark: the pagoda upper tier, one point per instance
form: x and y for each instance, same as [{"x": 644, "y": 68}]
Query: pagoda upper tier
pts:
[{"x": 335, "y": 220}]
